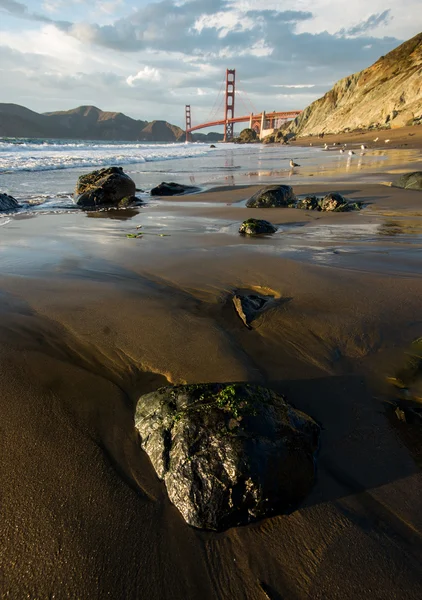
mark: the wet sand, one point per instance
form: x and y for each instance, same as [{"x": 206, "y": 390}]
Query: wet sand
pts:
[{"x": 90, "y": 319}]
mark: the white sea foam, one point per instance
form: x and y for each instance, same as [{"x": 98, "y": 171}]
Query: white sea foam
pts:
[{"x": 27, "y": 155}]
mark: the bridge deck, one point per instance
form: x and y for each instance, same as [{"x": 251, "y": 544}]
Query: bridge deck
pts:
[{"x": 268, "y": 116}]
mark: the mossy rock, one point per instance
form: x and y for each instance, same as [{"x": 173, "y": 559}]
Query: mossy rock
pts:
[
  {"x": 335, "y": 202},
  {"x": 257, "y": 227},
  {"x": 229, "y": 453},
  {"x": 308, "y": 203}
]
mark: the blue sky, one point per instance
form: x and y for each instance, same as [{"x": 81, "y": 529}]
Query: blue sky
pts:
[{"x": 148, "y": 59}]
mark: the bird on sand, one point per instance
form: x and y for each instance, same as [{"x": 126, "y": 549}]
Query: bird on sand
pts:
[
  {"x": 386, "y": 141},
  {"x": 376, "y": 139},
  {"x": 363, "y": 147},
  {"x": 341, "y": 151},
  {"x": 351, "y": 152},
  {"x": 293, "y": 164}
]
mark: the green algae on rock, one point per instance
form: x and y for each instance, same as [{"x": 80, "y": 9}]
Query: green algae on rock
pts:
[
  {"x": 308, "y": 203},
  {"x": 256, "y": 227},
  {"x": 229, "y": 453}
]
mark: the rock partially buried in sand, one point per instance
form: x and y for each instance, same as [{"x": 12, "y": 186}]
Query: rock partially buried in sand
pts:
[
  {"x": 172, "y": 189},
  {"x": 410, "y": 181},
  {"x": 257, "y": 227},
  {"x": 272, "y": 196},
  {"x": 105, "y": 187},
  {"x": 248, "y": 306},
  {"x": 229, "y": 453},
  {"x": 8, "y": 203}
]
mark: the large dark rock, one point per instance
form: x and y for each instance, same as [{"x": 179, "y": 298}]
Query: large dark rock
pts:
[
  {"x": 256, "y": 227},
  {"x": 172, "y": 189},
  {"x": 105, "y": 187},
  {"x": 8, "y": 203},
  {"x": 228, "y": 453},
  {"x": 272, "y": 196},
  {"x": 410, "y": 181}
]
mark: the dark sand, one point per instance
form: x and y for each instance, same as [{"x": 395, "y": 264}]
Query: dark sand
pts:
[{"x": 89, "y": 320}]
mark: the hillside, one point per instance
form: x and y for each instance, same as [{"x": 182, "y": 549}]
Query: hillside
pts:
[
  {"x": 387, "y": 94},
  {"x": 18, "y": 121},
  {"x": 161, "y": 131},
  {"x": 84, "y": 122},
  {"x": 89, "y": 122}
]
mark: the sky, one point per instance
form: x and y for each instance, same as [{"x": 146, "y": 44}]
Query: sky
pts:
[{"x": 148, "y": 59}]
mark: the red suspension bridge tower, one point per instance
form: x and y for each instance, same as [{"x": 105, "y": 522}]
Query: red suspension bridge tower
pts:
[
  {"x": 188, "y": 123},
  {"x": 229, "y": 108}
]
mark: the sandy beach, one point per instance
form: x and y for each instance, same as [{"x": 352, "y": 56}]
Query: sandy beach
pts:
[{"x": 91, "y": 319}]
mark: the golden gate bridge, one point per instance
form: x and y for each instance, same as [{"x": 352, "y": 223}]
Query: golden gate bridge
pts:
[{"x": 263, "y": 123}]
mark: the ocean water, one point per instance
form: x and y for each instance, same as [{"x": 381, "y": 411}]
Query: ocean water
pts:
[{"x": 41, "y": 174}]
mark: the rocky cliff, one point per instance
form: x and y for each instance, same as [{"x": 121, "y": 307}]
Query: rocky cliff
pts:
[
  {"x": 387, "y": 94},
  {"x": 83, "y": 123}
]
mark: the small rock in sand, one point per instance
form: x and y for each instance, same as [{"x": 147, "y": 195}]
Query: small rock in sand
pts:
[
  {"x": 257, "y": 227},
  {"x": 172, "y": 189},
  {"x": 247, "y": 306}
]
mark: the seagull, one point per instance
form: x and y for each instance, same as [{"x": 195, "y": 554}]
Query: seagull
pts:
[
  {"x": 293, "y": 164},
  {"x": 386, "y": 141},
  {"x": 376, "y": 139},
  {"x": 325, "y": 147},
  {"x": 334, "y": 144},
  {"x": 341, "y": 151},
  {"x": 351, "y": 152},
  {"x": 363, "y": 147}
]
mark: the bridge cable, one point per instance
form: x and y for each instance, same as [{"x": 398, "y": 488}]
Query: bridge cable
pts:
[
  {"x": 212, "y": 111},
  {"x": 254, "y": 110}
]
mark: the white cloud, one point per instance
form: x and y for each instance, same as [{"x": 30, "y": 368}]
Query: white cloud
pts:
[
  {"x": 295, "y": 86},
  {"x": 145, "y": 74}
]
